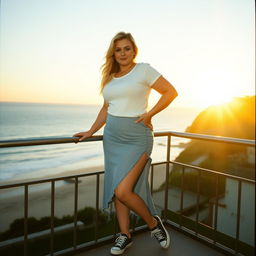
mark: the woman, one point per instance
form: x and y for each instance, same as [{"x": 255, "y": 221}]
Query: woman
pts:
[{"x": 128, "y": 136}]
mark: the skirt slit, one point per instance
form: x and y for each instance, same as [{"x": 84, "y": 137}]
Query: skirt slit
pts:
[{"x": 124, "y": 143}]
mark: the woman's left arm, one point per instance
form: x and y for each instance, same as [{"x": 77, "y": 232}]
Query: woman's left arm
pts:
[{"x": 168, "y": 95}]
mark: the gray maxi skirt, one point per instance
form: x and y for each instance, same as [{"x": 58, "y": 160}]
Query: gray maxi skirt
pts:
[{"x": 124, "y": 142}]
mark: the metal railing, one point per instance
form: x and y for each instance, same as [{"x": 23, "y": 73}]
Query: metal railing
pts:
[{"x": 166, "y": 211}]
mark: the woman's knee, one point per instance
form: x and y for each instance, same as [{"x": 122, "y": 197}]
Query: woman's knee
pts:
[{"x": 122, "y": 194}]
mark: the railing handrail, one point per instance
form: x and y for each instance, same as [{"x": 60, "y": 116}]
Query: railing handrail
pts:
[{"x": 60, "y": 140}]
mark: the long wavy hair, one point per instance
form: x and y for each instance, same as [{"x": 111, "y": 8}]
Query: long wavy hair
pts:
[{"x": 110, "y": 67}]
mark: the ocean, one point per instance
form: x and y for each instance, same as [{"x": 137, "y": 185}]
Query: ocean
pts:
[{"x": 34, "y": 120}]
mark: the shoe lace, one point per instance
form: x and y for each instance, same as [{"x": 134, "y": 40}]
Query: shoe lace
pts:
[
  {"x": 120, "y": 241},
  {"x": 158, "y": 234}
]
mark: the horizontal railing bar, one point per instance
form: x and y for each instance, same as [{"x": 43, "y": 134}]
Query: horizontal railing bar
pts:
[
  {"x": 102, "y": 172},
  {"x": 59, "y": 140},
  {"x": 159, "y": 163},
  {"x": 212, "y": 171},
  {"x": 206, "y": 170},
  {"x": 212, "y": 138},
  {"x": 33, "y": 182},
  {"x": 45, "y": 180},
  {"x": 44, "y": 141}
]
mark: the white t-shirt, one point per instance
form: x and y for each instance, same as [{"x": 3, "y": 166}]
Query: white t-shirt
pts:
[{"x": 127, "y": 95}]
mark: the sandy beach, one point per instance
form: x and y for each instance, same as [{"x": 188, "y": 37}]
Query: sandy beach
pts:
[
  {"x": 12, "y": 200},
  {"x": 39, "y": 205}
]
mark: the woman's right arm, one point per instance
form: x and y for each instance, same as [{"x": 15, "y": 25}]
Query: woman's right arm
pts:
[{"x": 99, "y": 122}]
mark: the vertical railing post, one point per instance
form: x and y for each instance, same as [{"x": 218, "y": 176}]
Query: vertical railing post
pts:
[
  {"x": 167, "y": 176},
  {"x": 152, "y": 178},
  {"x": 52, "y": 216},
  {"x": 97, "y": 206},
  {"x": 238, "y": 214},
  {"x": 216, "y": 208},
  {"x": 25, "y": 220},
  {"x": 182, "y": 194},
  {"x": 133, "y": 222},
  {"x": 198, "y": 200},
  {"x": 75, "y": 213},
  {"x": 115, "y": 225}
]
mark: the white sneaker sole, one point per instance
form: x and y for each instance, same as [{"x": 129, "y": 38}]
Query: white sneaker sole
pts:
[
  {"x": 167, "y": 234},
  {"x": 115, "y": 252}
]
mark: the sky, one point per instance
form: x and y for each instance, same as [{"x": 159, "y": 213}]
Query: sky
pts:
[{"x": 52, "y": 50}]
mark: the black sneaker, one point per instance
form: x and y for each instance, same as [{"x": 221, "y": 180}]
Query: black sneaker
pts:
[
  {"x": 121, "y": 244},
  {"x": 161, "y": 234}
]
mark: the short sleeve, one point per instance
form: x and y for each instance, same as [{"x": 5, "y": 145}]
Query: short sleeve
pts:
[{"x": 151, "y": 75}]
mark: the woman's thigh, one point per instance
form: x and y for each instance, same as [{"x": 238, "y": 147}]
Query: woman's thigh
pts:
[{"x": 127, "y": 184}]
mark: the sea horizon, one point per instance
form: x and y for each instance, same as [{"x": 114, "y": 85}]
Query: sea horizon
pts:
[{"x": 36, "y": 120}]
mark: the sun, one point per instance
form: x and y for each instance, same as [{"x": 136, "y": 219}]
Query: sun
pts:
[
  {"x": 218, "y": 98},
  {"x": 216, "y": 88}
]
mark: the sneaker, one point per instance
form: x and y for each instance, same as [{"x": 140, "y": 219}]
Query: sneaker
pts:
[
  {"x": 121, "y": 244},
  {"x": 160, "y": 233}
]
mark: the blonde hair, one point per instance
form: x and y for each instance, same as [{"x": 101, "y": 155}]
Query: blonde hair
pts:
[{"x": 110, "y": 67}]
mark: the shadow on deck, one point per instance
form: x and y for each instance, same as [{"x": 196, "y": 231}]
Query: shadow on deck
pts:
[{"x": 144, "y": 245}]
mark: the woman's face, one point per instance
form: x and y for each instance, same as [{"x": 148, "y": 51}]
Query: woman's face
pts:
[{"x": 124, "y": 52}]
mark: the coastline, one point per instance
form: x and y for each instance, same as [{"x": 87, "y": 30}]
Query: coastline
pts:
[
  {"x": 27, "y": 178},
  {"x": 39, "y": 199}
]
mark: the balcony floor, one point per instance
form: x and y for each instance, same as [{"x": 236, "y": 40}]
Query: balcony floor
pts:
[{"x": 143, "y": 245}]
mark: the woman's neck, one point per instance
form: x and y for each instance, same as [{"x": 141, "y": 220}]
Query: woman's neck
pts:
[{"x": 125, "y": 69}]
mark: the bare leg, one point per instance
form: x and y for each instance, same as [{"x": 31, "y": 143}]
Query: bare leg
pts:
[
  {"x": 124, "y": 193},
  {"x": 122, "y": 212}
]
